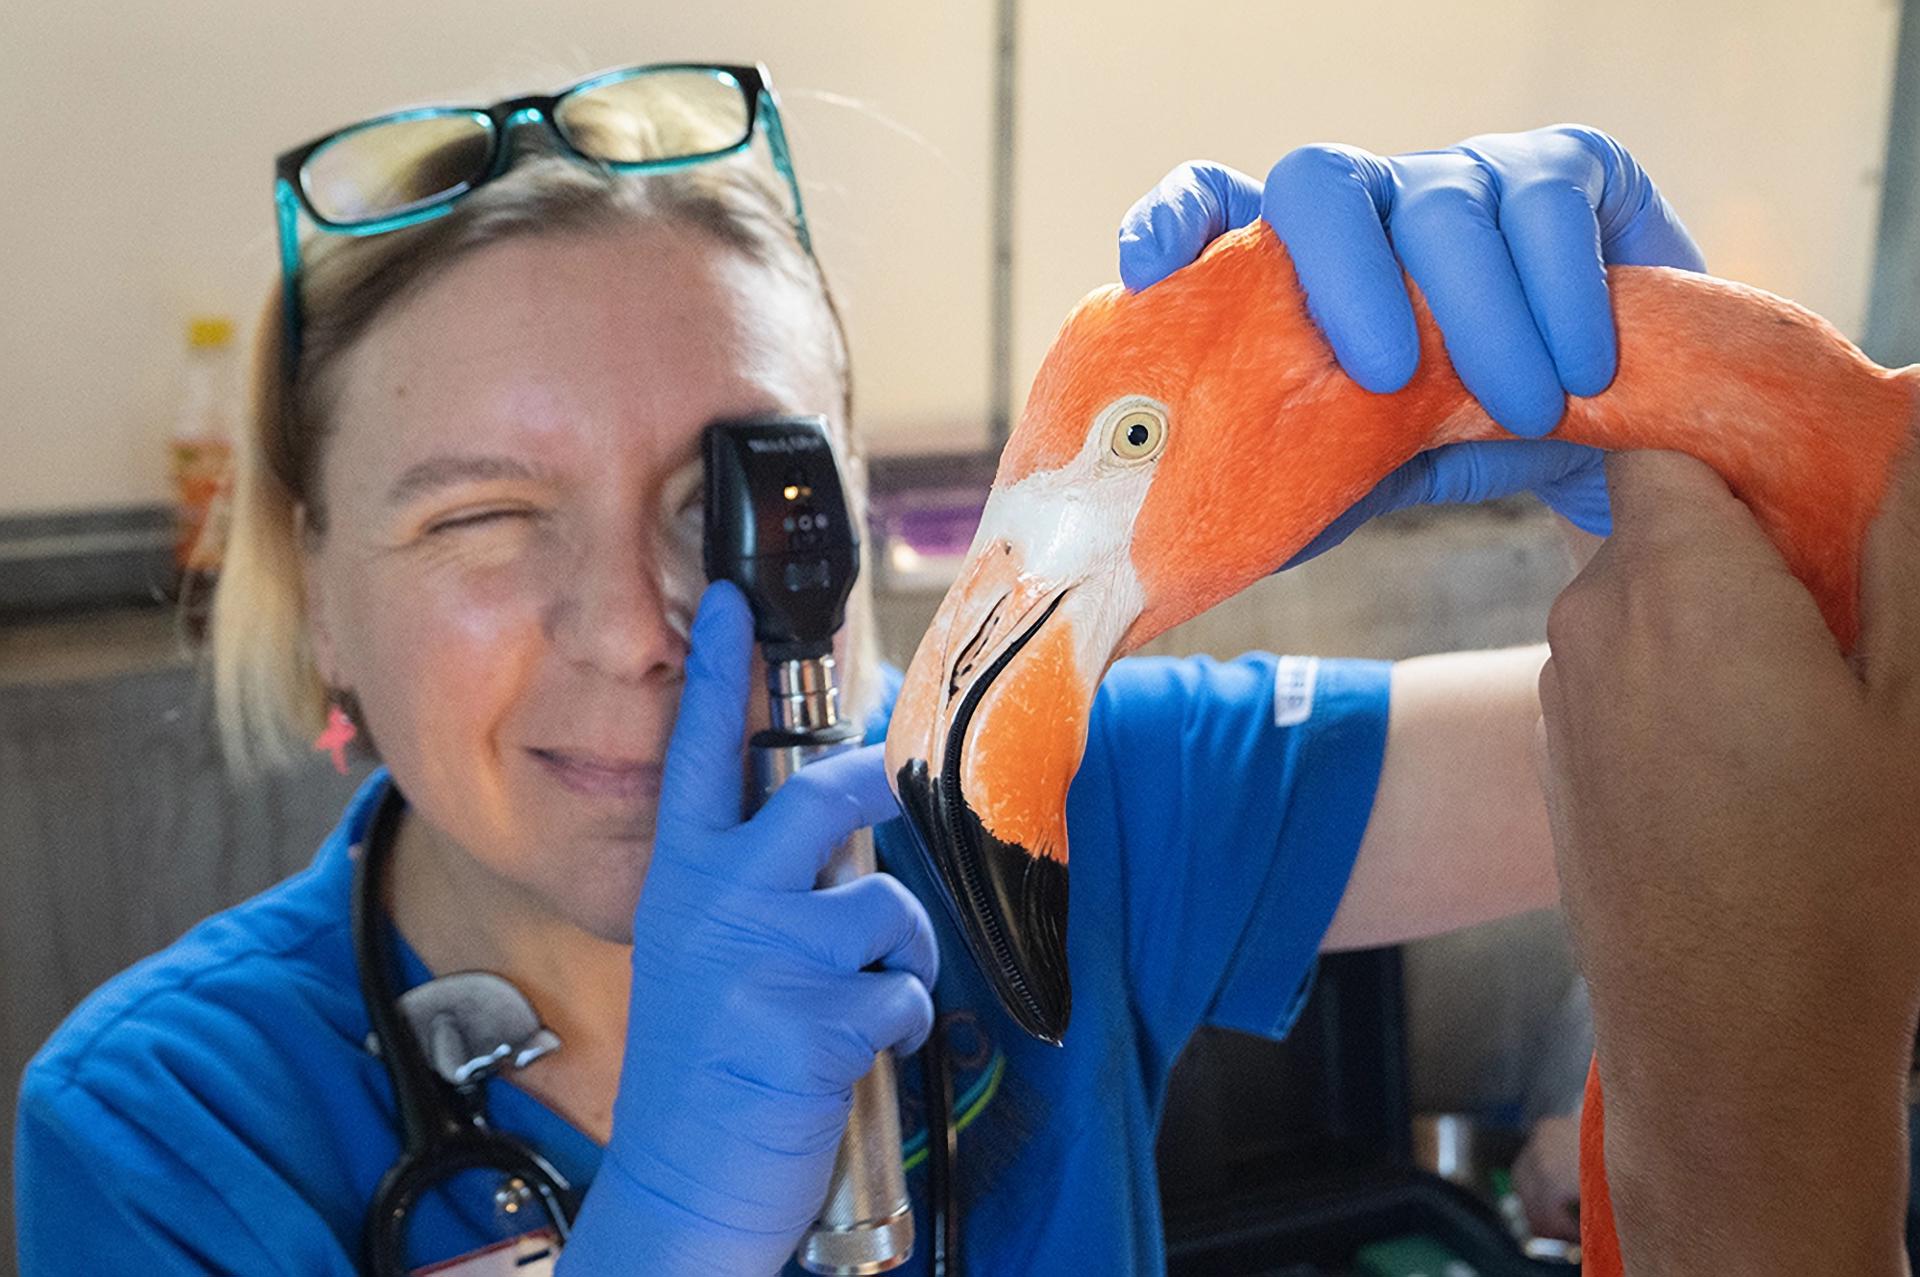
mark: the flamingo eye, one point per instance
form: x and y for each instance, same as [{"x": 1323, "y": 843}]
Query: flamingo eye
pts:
[{"x": 1140, "y": 433}]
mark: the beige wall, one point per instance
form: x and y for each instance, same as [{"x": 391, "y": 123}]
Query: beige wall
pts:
[
  {"x": 146, "y": 195},
  {"x": 1763, "y": 120},
  {"x": 140, "y": 134}
]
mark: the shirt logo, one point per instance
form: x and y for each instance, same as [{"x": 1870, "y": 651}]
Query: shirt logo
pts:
[{"x": 1293, "y": 682}]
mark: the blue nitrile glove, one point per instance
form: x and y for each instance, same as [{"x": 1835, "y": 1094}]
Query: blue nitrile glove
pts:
[
  {"x": 1507, "y": 236},
  {"x": 751, "y": 1016}
]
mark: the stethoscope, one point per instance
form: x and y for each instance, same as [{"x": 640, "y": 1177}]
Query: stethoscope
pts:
[{"x": 444, "y": 1128}]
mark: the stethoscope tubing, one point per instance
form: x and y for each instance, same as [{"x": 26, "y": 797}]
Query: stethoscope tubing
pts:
[{"x": 444, "y": 1132}]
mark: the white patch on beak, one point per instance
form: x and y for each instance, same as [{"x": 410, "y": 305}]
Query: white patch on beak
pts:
[{"x": 1073, "y": 527}]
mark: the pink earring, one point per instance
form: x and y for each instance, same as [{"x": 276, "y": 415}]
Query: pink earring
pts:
[{"x": 339, "y": 733}]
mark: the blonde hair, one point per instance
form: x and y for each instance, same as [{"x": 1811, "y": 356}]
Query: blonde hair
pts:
[{"x": 268, "y": 691}]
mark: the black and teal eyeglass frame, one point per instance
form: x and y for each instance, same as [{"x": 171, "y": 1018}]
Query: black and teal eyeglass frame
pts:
[{"x": 411, "y": 166}]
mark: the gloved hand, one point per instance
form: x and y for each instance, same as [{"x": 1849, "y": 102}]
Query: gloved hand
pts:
[
  {"x": 751, "y": 1015},
  {"x": 1506, "y": 234}
]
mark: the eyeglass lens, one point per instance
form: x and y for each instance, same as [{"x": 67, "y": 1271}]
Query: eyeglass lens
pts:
[
  {"x": 656, "y": 115},
  {"x": 393, "y": 167}
]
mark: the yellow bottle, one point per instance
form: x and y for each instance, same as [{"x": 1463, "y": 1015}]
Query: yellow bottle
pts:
[{"x": 200, "y": 457}]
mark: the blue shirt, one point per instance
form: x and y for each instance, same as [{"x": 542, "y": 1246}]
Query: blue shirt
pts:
[{"x": 214, "y": 1108}]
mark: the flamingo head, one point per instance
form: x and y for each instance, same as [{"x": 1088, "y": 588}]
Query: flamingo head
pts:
[{"x": 1177, "y": 445}]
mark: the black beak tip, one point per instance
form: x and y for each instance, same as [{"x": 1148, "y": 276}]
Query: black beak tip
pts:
[{"x": 1010, "y": 905}]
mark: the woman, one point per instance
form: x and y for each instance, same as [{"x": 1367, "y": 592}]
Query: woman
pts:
[{"x": 467, "y": 519}]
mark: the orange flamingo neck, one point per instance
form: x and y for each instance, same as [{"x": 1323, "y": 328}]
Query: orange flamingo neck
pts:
[{"x": 1803, "y": 427}]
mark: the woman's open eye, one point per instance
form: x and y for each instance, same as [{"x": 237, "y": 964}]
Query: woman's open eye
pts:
[{"x": 687, "y": 520}]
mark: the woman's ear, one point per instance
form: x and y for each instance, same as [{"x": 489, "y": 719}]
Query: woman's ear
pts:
[{"x": 320, "y": 630}]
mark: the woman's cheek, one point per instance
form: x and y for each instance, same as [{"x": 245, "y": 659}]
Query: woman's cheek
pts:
[
  {"x": 454, "y": 643},
  {"x": 483, "y": 618}
]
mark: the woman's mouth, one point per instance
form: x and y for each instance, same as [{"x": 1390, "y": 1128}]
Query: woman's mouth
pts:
[{"x": 597, "y": 776}]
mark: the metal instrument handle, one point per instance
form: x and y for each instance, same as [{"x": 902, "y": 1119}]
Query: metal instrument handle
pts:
[{"x": 866, "y": 1225}]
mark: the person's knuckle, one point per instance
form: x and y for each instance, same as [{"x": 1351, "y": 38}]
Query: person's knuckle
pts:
[
  {"x": 1190, "y": 173},
  {"x": 1565, "y": 623},
  {"x": 1668, "y": 600},
  {"x": 917, "y": 1020},
  {"x": 899, "y": 908},
  {"x": 1580, "y": 615},
  {"x": 815, "y": 806},
  {"x": 1543, "y": 194},
  {"x": 1436, "y": 213},
  {"x": 753, "y": 921},
  {"x": 854, "y": 1058},
  {"x": 804, "y": 787},
  {"x": 901, "y": 1003},
  {"x": 1308, "y": 170},
  {"x": 1599, "y": 145},
  {"x": 1657, "y": 564},
  {"x": 879, "y": 925},
  {"x": 741, "y": 1002},
  {"x": 782, "y": 1036}
]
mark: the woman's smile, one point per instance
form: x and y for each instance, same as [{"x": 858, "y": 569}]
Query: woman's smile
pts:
[{"x": 596, "y": 775}]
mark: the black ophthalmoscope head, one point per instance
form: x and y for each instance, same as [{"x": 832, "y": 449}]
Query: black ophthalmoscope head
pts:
[{"x": 778, "y": 526}]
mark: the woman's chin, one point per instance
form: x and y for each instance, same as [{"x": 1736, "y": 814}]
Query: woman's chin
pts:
[
  {"x": 612, "y": 928},
  {"x": 598, "y": 894},
  {"x": 587, "y": 856}
]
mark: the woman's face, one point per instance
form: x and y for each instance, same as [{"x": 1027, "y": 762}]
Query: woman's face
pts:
[{"x": 512, "y": 553}]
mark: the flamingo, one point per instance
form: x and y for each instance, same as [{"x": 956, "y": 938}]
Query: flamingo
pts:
[{"x": 1182, "y": 442}]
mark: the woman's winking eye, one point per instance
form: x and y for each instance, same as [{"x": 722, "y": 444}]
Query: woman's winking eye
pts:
[{"x": 475, "y": 519}]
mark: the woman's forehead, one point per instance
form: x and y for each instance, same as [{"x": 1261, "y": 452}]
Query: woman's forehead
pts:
[{"x": 630, "y": 340}]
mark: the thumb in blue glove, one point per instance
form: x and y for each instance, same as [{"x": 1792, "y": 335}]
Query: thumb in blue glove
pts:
[
  {"x": 1508, "y": 237},
  {"x": 753, "y": 1011}
]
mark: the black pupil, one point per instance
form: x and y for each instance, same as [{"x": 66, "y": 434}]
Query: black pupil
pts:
[{"x": 1137, "y": 435}]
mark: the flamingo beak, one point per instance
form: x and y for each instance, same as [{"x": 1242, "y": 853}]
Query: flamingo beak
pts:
[{"x": 989, "y": 729}]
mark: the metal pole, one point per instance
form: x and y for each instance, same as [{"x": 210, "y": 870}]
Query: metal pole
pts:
[
  {"x": 1001, "y": 184},
  {"x": 1893, "y": 312}
]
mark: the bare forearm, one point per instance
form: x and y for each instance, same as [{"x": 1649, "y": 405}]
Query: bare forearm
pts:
[
  {"x": 1459, "y": 830},
  {"x": 1732, "y": 803},
  {"x": 1793, "y": 1162}
]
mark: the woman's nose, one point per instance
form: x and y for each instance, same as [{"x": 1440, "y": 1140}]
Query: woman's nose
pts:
[{"x": 614, "y": 615}]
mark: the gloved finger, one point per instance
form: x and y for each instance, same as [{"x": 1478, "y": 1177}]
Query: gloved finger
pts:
[
  {"x": 816, "y": 810},
  {"x": 1190, "y": 208},
  {"x": 1443, "y": 228},
  {"x": 1637, "y": 225},
  {"x": 1409, "y": 484},
  {"x": 889, "y": 1010},
  {"x": 873, "y": 920},
  {"x": 1578, "y": 491},
  {"x": 1328, "y": 204},
  {"x": 1568, "y": 477},
  {"x": 1554, "y": 240},
  {"x": 701, "y": 782},
  {"x": 1468, "y": 473}
]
